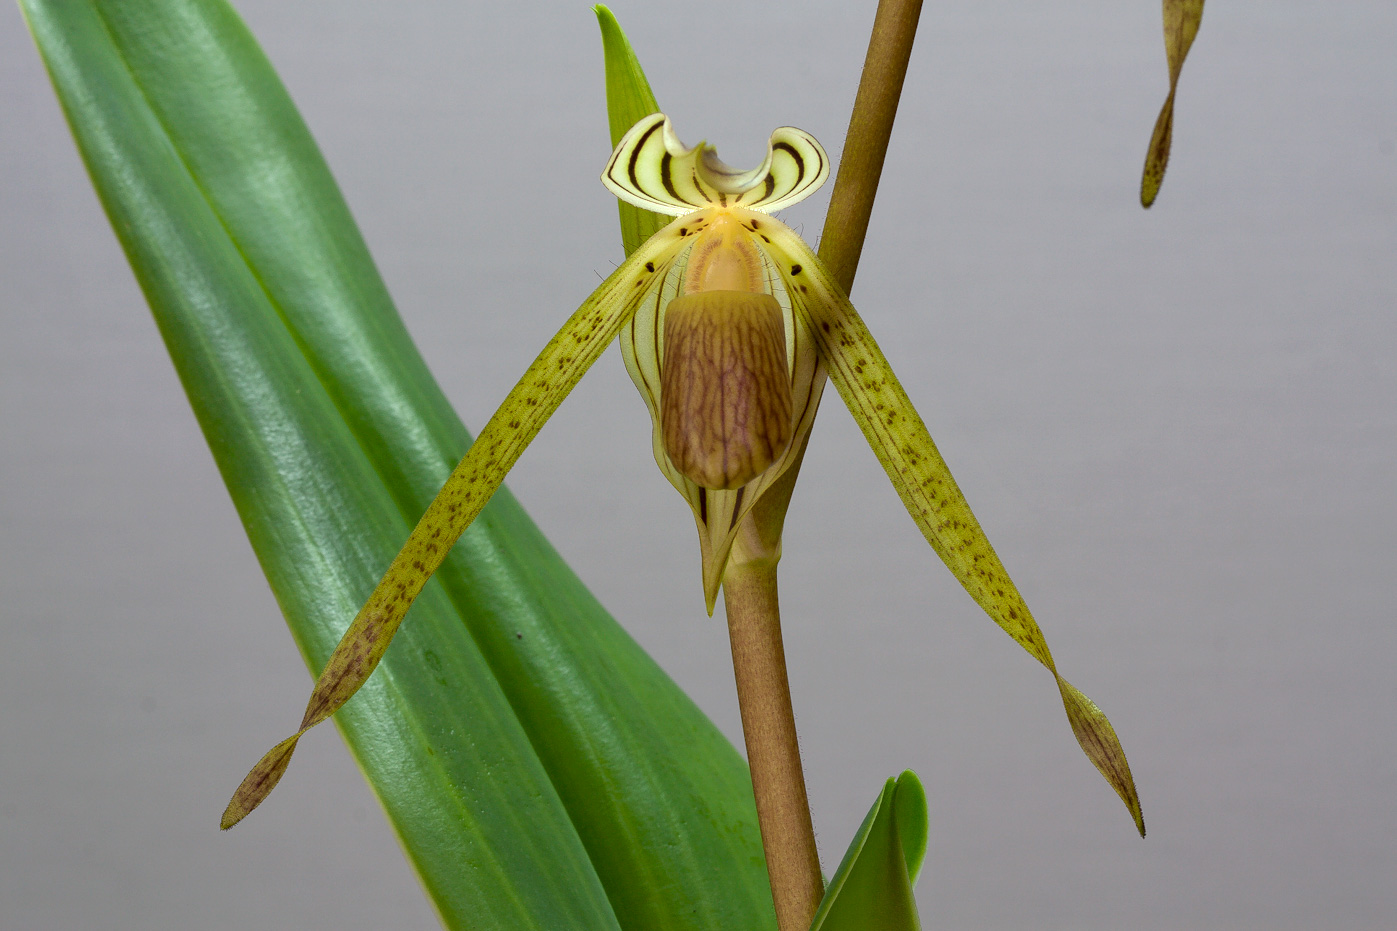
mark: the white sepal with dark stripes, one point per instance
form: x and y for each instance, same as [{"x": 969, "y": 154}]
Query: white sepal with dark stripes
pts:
[{"x": 653, "y": 170}]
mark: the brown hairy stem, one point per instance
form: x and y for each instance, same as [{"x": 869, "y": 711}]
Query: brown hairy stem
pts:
[
  {"x": 769, "y": 728},
  {"x": 866, "y": 144},
  {"x": 749, "y": 584}
]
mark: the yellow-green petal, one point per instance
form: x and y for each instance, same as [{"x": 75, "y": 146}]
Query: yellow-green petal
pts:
[
  {"x": 898, "y": 437},
  {"x": 514, "y": 425},
  {"x": 1181, "y": 19}
]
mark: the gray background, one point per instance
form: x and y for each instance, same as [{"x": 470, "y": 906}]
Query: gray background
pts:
[{"x": 1178, "y": 428}]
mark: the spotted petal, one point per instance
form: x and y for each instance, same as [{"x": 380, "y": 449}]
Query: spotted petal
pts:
[
  {"x": 525, "y": 410},
  {"x": 653, "y": 170},
  {"x": 1181, "y": 21},
  {"x": 898, "y": 437}
]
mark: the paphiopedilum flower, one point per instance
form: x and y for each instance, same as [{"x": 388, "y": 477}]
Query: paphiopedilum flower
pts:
[
  {"x": 728, "y": 321},
  {"x": 729, "y": 370}
]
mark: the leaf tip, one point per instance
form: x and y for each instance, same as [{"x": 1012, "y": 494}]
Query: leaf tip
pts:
[{"x": 910, "y": 815}]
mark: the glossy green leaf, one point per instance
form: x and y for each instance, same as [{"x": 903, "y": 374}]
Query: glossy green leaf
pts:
[
  {"x": 872, "y": 889},
  {"x": 539, "y": 768},
  {"x": 1181, "y": 20},
  {"x": 628, "y": 98}
]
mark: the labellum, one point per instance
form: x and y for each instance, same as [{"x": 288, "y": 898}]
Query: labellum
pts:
[{"x": 725, "y": 397}]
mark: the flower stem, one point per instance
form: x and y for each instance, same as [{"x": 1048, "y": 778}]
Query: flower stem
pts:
[
  {"x": 866, "y": 144},
  {"x": 749, "y": 583},
  {"x": 769, "y": 728}
]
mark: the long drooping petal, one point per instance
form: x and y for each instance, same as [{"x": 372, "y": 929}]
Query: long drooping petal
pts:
[
  {"x": 1181, "y": 21},
  {"x": 522, "y": 414},
  {"x": 898, "y": 437}
]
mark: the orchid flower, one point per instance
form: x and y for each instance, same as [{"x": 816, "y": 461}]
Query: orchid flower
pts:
[{"x": 728, "y": 323}]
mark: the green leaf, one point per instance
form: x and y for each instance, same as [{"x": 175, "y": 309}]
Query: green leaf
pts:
[
  {"x": 872, "y": 889},
  {"x": 539, "y": 768},
  {"x": 1181, "y": 20},
  {"x": 628, "y": 98}
]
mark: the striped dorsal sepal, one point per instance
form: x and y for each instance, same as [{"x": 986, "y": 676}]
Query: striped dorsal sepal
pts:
[{"x": 653, "y": 170}]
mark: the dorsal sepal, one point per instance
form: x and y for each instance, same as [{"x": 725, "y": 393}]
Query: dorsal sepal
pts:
[{"x": 653, "y": 170}]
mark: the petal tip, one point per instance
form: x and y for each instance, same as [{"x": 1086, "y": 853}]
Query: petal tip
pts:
[{"x": 259, "y": 782}]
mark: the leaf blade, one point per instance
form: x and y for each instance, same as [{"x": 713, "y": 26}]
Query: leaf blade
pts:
[
  {"x": 872, "y": 888},
  {"x": 628, "y": 99},
  {"x": 273, "y": 431},
  {"x": 649, "y": 785}
]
